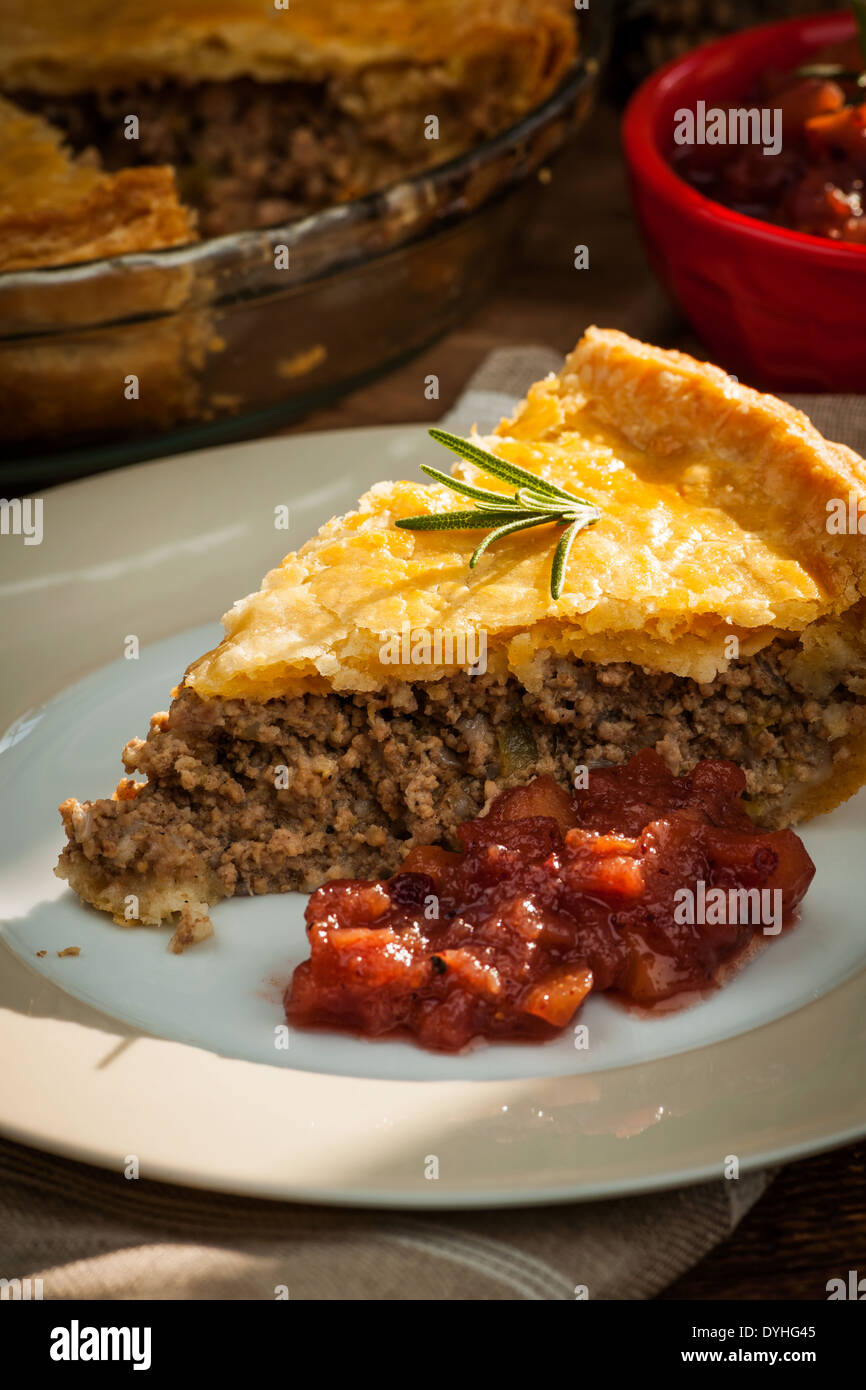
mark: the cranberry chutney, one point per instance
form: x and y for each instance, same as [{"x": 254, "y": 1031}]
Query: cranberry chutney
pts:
[
  {"x": 639, "y": 882},
  {"x": 812, "y": 179}
]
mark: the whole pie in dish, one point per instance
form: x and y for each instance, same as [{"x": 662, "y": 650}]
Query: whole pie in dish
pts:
[
  {"x": 709, "y": 613},
  {"x": 128, "y": 128},
  {"x": 267, "y": 112}
]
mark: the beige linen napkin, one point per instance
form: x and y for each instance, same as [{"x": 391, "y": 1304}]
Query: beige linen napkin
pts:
[{"x": 90, "y": 1234}]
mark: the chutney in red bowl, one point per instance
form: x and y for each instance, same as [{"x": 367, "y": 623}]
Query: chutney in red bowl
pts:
[
  {"x": 815, "y": 181},
  {"x": 779, "y": 306}
]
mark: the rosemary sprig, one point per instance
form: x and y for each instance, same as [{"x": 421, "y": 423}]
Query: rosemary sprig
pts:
[
  {"x": 835, "y": 70},
  {"x": 535, "y": 502},
  {"x": 832, "y": 70}
]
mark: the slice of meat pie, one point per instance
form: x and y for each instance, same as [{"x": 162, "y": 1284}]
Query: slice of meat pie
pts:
[{"x": 378, "y": 689}]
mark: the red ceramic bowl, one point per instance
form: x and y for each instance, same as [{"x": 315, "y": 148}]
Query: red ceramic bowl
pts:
[{"x": 780, "y": 308}]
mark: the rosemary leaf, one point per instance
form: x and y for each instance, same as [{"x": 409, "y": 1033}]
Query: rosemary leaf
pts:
[
  {"x": 479, "y": 494},
  {"x": 499, "y": 468},
  {"x": 536, "y": 499},
  {"x": 464, "y": 521},
  {"x": 561, "y": 554},
  {"x": 505, "y": 530},
  {"x": 828, "y": 70}
]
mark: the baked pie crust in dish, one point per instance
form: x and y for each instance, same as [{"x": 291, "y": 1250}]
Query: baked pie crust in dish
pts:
[
  {"x": 252, "y": 116},
  {"x": 57, "y": 208},
  {"x": 267, "y": 112},
  {"x": 710, "y": 613}
]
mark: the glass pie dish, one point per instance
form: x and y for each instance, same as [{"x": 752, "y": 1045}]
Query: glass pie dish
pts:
[{"x": 119, "y": 359}]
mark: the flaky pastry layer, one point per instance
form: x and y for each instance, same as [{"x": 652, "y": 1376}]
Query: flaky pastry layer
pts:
[
  {"x": 714, "y": 510},
  {"x": 80, "y": 45},
  {"x": 57, "y": 209}
]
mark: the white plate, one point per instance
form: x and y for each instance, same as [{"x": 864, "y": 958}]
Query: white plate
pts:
[{"x": 127, "y": 1049}]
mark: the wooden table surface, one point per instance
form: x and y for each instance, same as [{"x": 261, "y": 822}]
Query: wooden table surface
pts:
[
  {"x": 542, "y": 298},
  {"x": 811, "y": 1224}
]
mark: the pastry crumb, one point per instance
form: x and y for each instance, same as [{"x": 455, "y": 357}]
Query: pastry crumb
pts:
[
  {"x": 70, "y": 951},
  {"x": 194, "y": 925}
]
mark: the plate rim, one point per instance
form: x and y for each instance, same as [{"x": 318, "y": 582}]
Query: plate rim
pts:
[{"x": 73, "y": 1065}]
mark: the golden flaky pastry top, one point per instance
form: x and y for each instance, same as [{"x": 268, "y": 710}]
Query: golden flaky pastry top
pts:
[
  {"x": 56, "y": 208},
  {"x": 78, "y": 45},
  {"x": 714, "y": 524}
]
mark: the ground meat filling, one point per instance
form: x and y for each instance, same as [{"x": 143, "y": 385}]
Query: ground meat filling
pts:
[
  {"x": 259, "y": 798},
  {"x": 251, "y": 154}
]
